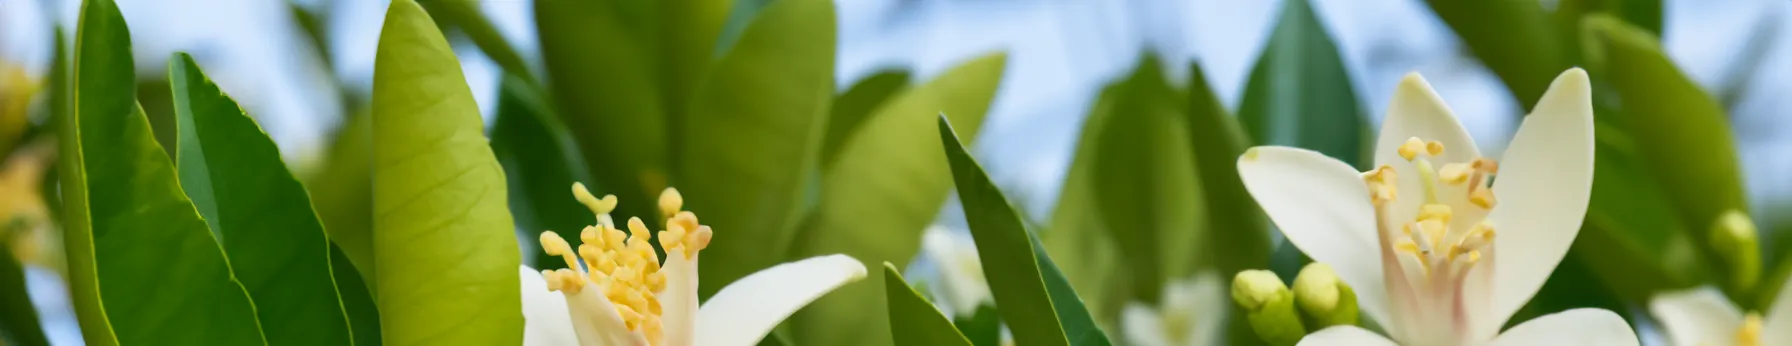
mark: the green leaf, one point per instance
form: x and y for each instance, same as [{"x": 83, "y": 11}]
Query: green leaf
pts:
[
  {"x": 1077, "y": 234},
  {"x": 342, "y": 192},
  {"x": 919, "y": 321},
  {"x": 750, "y": 144},
  {"x": 1633, "y": 238},
  {"x": 540, "y": 162},
  {"x": 77, "y": 225},
  {"x": 983, "y": 328},
  {"x": 1299, "y": 93},
  {"x": 885, "y": 188},
  {"x": 1143, "y": 189},
  {"x": 18, "y": 317},
  {"x": 604, "y": 78},
  {"x": 1514, "y": 38},
  {"x": 275, "y": 243},
  {"x": 357, "y": 299},
  {"x": 855, "y": 105},
  {"x": 1645, "y": 14},
  {"x": 445, "y": 248},
  {"x": 1237, "y": 233},
  {"x": 688, "y": 32},
  {"x": 140, "y": 256},
  {"x": 1034, "y": 297},
  {"x": 1681, "y": 133}
]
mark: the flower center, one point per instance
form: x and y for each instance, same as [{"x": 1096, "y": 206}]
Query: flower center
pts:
[
  {"x": 1432, "y": 253},
  {"x": 1750, "y": 332},
  {"x": 622, "y": 266}
]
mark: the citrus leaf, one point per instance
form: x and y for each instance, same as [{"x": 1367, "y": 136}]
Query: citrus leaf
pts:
[
  {"x": 1143, "y": 189},
  {"x": 1515, "y": 39},
  {"x": 1077, "y": 235},
  {"x": 885, "y": 188},
  {"x": 852, "y": 107},
  {"x": 750, "y": 144},
  {"x": 140, "y": 256},
  {"x": 18, "y": 317},
  {"x": 540, "y": 160},
  {"x": 1035, "y": 299},
  {"x": 357, "y": 299},
  {"x": 1299, "y": 93},
  {"x": 276, "y": 246},
  {"x": 919, "y": 321},
  {"x": 342, "y": 192},
  {"x": 1237, "y": 233},
  {"x": 444, "y": 244}
]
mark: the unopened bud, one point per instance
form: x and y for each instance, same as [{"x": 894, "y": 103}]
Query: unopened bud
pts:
[
  {"x": 1269, "y": 306},
  {"x": 1324, "y": 299},
  {"x": 1734, "y": 239}
]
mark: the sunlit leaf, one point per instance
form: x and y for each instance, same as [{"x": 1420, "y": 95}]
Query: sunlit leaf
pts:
[
  {"x": 276, "y": 246},
  {"x": 444, "y": 243},
  {"x": 1299, "y": 93},
  {"x": 750, "y": 142},
  {"x": 1035, "y": 299},
  {"x": 133, "y": 239},
  {"x": 886, "y": 187},
  {"x": 919, "y": 322},
  {"x": 852, "y": 107}
]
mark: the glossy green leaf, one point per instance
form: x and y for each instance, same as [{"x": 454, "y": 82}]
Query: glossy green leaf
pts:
[
  {"x": 77, "y": 225},
  {"x": 852, "y": 107},
  {"x": 140, "y": 256},
  {"x": 1681, "y": 133},
  {"x": 919, "y": 321},
  {"x": 1299, "y": 93},
  {"x": 1034, "y": 297},
  {"x": 540, "y": 162},
  {"x": 1237, "y": 232},
  {"x": 18, "y": 317},
  {"x": 1514, "y": 38},
  {"x": 751, "y": 142},
  {"x": 445, "y": 249},
  {"x": 883, "y": 191},
  {"x": 275, "y": 243},
  {"x": 357, "y": 299},
  {"x": 604, "y": 78},
  {"x": 1143, "y": 170}
]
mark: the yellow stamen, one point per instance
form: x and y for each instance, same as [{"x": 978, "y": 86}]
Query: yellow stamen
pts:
[
  {"x": 1412, "y": 148},
  {"x": 1750, "y": 332},
  {"x": 1454, "y": 173},
  {"x": 1434, "y": 148},
  {"x": 622, "y": 265},
  {"x": 1482, "y": 197},
  {"x": 670, "y": 202}
]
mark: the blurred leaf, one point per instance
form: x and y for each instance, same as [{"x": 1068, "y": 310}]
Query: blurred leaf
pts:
[
  {"x": 357, "y": 299},
  {"x": 885, "y": 188},
  {"x": 18, "y": 317},
  {"x": 1143, "y": 189},
  {"x": 1299, "y": 93},
  {"x": 1681, "y": 134},
  {"x": 688, "y": 32},
  {"x": 919, "y": 321},
  {"x": 466, "y": 16},
  {"x": 752, "y": 138},
  {"x": 1645, "y": 14},
  {"x": 77, "y": 225},
  {"x": 314, "y": 24},
  {"x": 1077, "y": 236},
  {"x": 603, "y": 76},
  {"x": 446, "y": 247},
  {"x": 156, "y": 99},
  {"x": 1633, "y": 238},
  {"x": 342, "y": 192},
  {"x": 1514, "y": 38},
  {"x": 540, "y": 162},
  {"x": 983, "y": 328},
  {"x": 1237, "y": 234},
  {"x": 1035, "y": 299},
  {"x": 855, "y": 105},
  {"x": 275, "y": 243},
  {"x": 1570, "y": 286},
  {"x": 127, "y": 223}
]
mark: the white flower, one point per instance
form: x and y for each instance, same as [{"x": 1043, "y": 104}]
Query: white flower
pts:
[
  {"x": 1191, "y": 314},
  {"x": 1415, "y": 236},
  {"x": 618, "y": 294},
  {"x": 961, "y": 282},
  {"x": 1703, "y": 317}
]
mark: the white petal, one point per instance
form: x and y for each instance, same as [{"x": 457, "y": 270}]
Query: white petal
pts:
[
  {"x": 1701, "y": 316},
  {"x": 678, "y": 302},
  {"x": 1417, "y": 111},
  {"x": 596, "y": 322},
  {"x": 741, "y": 314},
  {"x": 1322, "y": 205},
  {"x": 545, "y": 319},
  {"x": 1576, "y": 327},
  {"x": 1205, "y": 298},
  {"x": 1142, "y": 326},
  {"x": 1542, "y": 189},
  {"x": 1776, "y": 327},
  {"x": 1344, "y": 336}
]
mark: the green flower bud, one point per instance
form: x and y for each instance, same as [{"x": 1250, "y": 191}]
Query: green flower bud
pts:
[
  {"x": 1269, "y": 307},
  {"x": 1324, "y": 299},
  {"x": 1734, "y": 240}
]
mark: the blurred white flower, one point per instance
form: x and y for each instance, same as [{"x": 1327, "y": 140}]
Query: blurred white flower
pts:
[
  {"x": 1704, "y": 317},
  {"x": 1191, "y": 313}
]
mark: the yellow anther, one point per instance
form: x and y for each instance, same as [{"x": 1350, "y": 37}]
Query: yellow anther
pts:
[
  {"x": 1439, "y": 212},
  {"x": 1434, "y": 148},
  {"x": 1411, "y": 148},
  {"x": 1434, "y": 231},
  {"x": 1750, "y": 332},
  {"x": 1406, "y": 246},
  {"x": 1486, "y": 165},
  {"x": 553, "y": 245},
  {"x": 1454, "y": 173},
  {"x": 1482, "y": 197},
  {"x": 597, "y": 206},
  {"x": 1381, "y": 184},
  {"x": 670, "y": 202}
]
